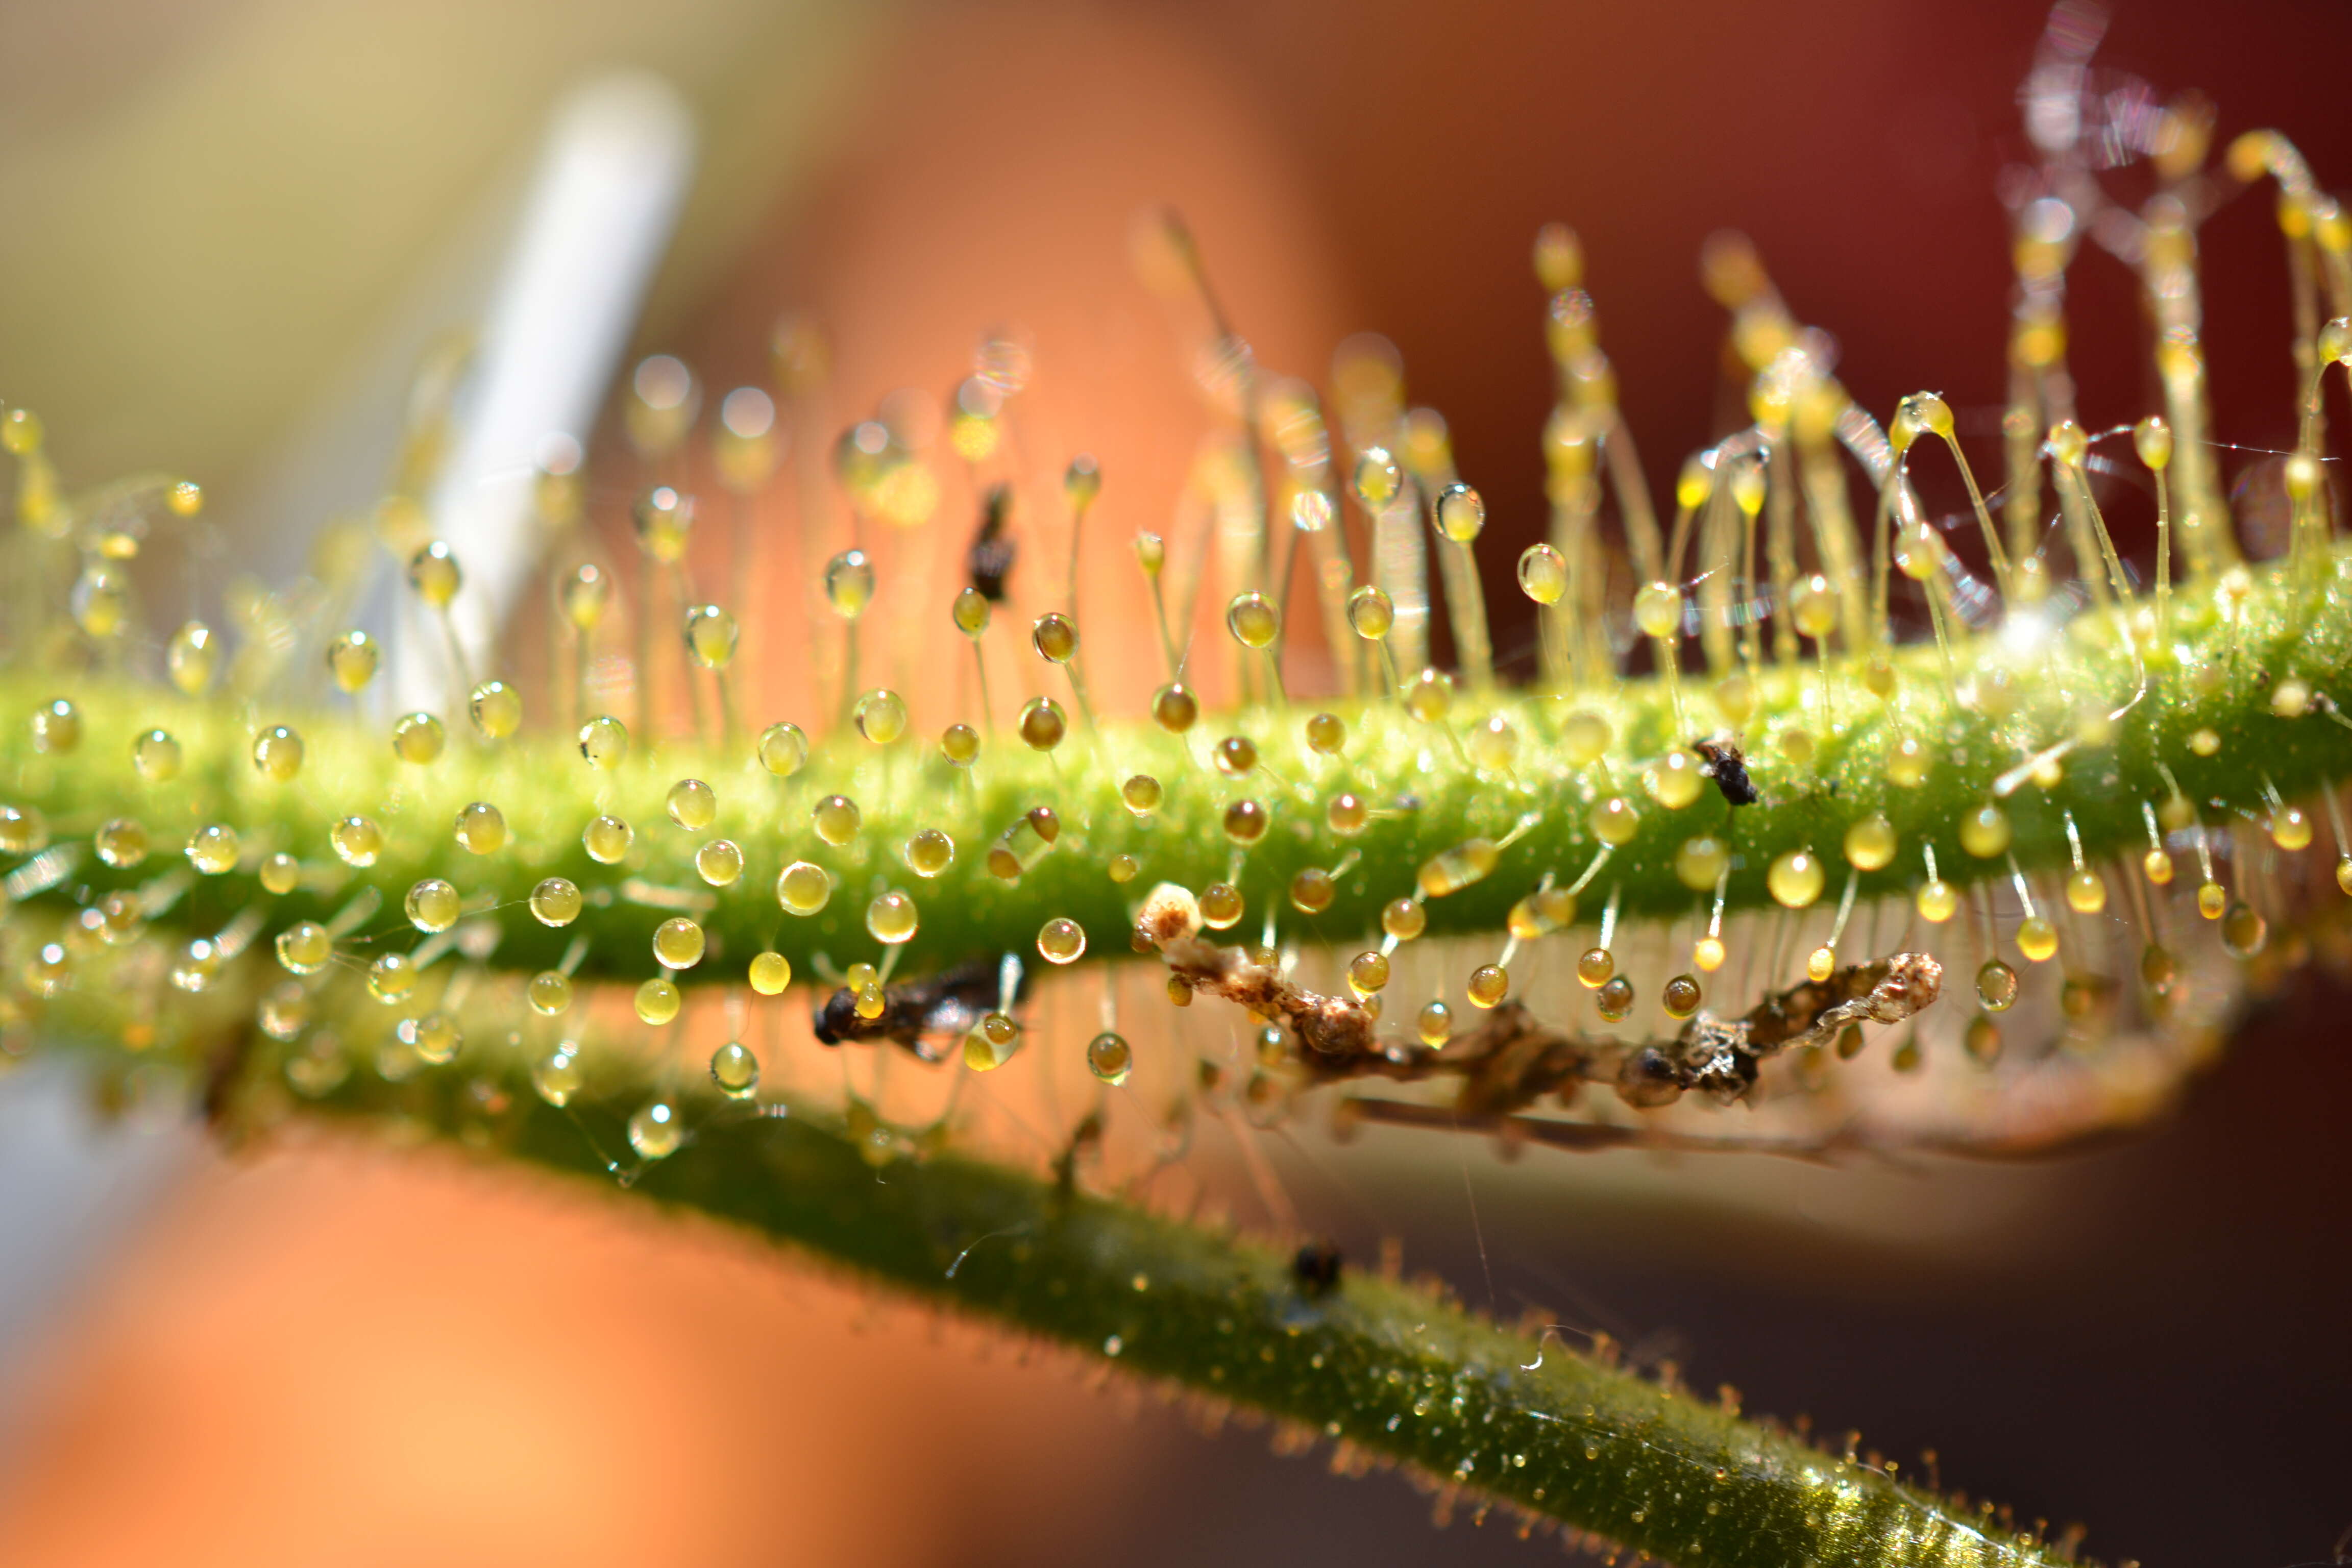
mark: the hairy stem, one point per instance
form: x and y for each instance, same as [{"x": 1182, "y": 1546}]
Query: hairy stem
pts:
[{"x": 1383, "y": 1370}]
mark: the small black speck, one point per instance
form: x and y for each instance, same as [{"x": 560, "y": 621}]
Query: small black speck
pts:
[{"x": 1317, "y": 1268}]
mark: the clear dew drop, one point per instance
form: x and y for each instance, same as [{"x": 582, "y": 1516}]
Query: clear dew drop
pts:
[
  {"x": 735, "y": 1070},
  {"x": 692, "y": 804},
  {"x": 655, "y": 1131},
  {"x": 417, "y": 738},
  {"x": 1111, "y": 1059},
  {"x": 432, "y": 905},
  {"x": 556, "y": 901},
  {"x": 784, "y": 749}
]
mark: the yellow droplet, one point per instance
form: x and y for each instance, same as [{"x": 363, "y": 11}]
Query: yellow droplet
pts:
[
  {"x": 156, "y": 755},
  {"x": 433, "y": 905},
  {"x": 549, "y": 992},
  {"x": 677, "y": 943},
  {"x": 1613, "y": 821},
  {"x": 2290, "y": 828},
  {"x": 1906, "y": 764},
  {"x": 1347, "y": 814},
  {"x": 2037, "y": 939},
  {"x": 1543, "y": 573},
  {"x": 1996, "y": 985},
  {"x": 1938, "y": 900},
  {"x": 1042, "y": 724},
  {"x": 770, "y": 973},
  {"x": 1430, "y": 697},
  {"x": 1434, "y": 1023},
  {"x": 2086, "y": 892},
  {"x": 1056, "y": 638},
  {"x": 720, "y": 862},
  {"x": 1682, "y": 996},
  {"x": 2204, "y": 742},
  {"x": 193, "y": 656},
  {"x": 692, "y": 804},
  {"x": 1109, "y": 1058},
  {"x": 305, "y": 948},
  {"x": 1584, "y": 736},
  {"x": 1489, "y": 984},
  {"x": 482, "y": 828},
  {"x": 1141, "y": 794},
  {"x": 655, "y": 1132},
  {"x": 1368, "y": 973},
  {"x": 881, "y": 716},
  {"x": 1062, "y": 941},
  {"x": 433, "y": 573},
  {"x": 971, "y": 613},
  {"x": 2344, "y": 875},
  {"x": 1674, "y": 781},
  {"x": 2152, "y": 438},
  {"x": 1700, "y": 862},
  {"x": 1174, "y": 707},
  {"x": 1220, "y": 906},
  {"x": 281, "y": 873},
  {"x": 1312, "y": 890},
  {"x": 584, "y": 595},
  {"x": 417, "y": 738},
  {"x": 735, "y": 1070},
  {"x": 606, "y": 840},
  {"x": 1245, "y": 822},
  {"x": 1123, "y": 868},
  {"x": 278, "y": 753},
  {"x": 1870, "y": 844},
  {"x": 1327, "y": 734},
  {"x": 120, "y": 843},
  {"x": 1371, "y": 612},
  {"x": 392, "y": 977},
  {"x": 1594, "y": 967},
  {"x": 1403, "y": 919},
  {"x": 1985, "y": 831},
  {"x": 1614, "y": 1000},
  {"x": 1821, "y": 963},
  {"x": 802, "y": 887},
  {"x": 849, "y": 584},
  {"x": 836, "y": 819},
  {"x": 891, "y": 918},
  {"x": 929, "y": 852},
  {"x": 1707, "y": 955},
  {"x": 604, "y": 742},
  {"x": 2243, "y": 931},
  {"x": 659, "y": 1000},
  {"x": 351, "y": 660},
  {"x": 2211, "y": 901},
  {"x": 784, "y": 749},
  {"x": 1658, "y": 609},
  {"x": 1795, "y": 878},
  {"x": 1451, "y": 871},
  {"x": 711, "y": 633},
  {"x": 1253, "y": 620},
  {"x": 960, "y": 744},
  {"x": 495, "y": 708},
  {"x": 1377, "y": 479},
  {"x": 213, "y": 849},
  {"x": 1461, "y": 514},
  {"x": 357, "y": 841},
  {"x": 664, "y": 521}
]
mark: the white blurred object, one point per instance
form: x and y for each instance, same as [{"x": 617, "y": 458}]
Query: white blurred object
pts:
[{"x": 594, "y": 224}]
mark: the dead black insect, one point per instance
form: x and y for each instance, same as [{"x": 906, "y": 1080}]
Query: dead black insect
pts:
[
  {"x": 929, "y": 1016},
  {"x": 1728, "y": 767},
  {"x": 990, "y": 559},
  {"x": 1317, "y": 1268}
]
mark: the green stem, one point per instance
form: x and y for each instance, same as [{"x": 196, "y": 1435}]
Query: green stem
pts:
[
  {"x": 1391, "y": 1371},
  {"x": 2213, "y": 718}
]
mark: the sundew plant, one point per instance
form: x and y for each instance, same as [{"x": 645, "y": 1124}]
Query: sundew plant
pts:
[{"x": 1897, "y": 830}]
